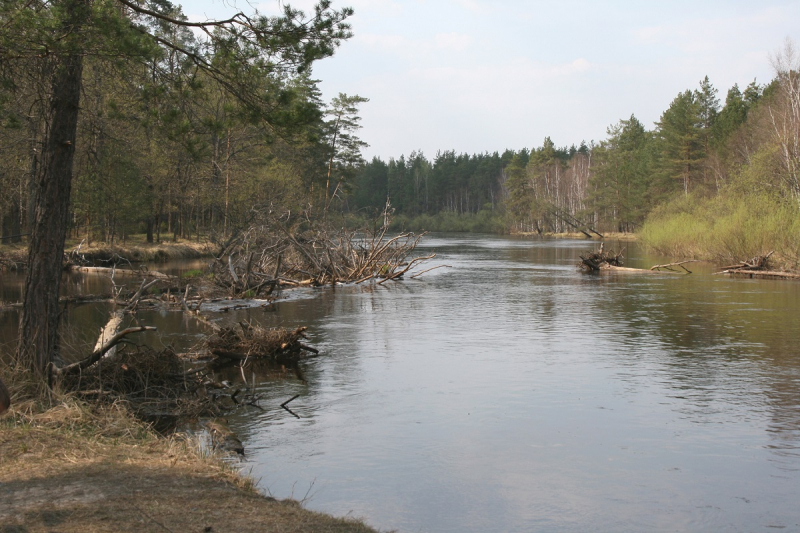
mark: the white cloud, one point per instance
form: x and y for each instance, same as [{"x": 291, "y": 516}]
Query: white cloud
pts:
[
  {"x": 471, "y": 5},
  {"x": 386, "y": 42},
  {"x": 452, "y": 41},
  {"x": 710, "y": 35}
]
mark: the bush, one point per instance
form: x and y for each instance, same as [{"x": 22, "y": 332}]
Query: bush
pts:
[{"x": 726, "y": 229}]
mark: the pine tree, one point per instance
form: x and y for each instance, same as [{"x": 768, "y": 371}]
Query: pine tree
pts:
[
  {"x": 239, "y": 54},
  {"x": 681, "y": 141},
  {"x": 622, "y": 175}
]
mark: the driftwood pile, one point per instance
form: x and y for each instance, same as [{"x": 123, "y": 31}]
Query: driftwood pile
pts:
[
  {"x": 248, "y": 342},
  {"x": 759, "y": 262},
  {"x": 598, "y": 259},
  {"x": 163, "y": 387},
  {"x": 602, "y": 261},
  {"x": 270, "y": 256},
  {"x": 757, "y": 267}
]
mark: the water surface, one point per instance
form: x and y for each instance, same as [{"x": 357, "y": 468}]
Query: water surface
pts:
[{"x": 513, "y": 393}]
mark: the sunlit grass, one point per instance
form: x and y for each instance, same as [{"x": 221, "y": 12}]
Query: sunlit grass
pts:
[{"x": 726, "y": 229}]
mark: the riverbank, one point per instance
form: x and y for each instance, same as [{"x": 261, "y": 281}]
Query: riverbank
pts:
[
  {"x": 79, "y": 467},
  {"x": 726, "y": 229},
  {"x": 614, "y": 236},
  {"x": 136, "y": 249}
]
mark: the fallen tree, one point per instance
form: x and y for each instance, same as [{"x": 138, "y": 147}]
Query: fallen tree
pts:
[
  {"x": 760, "y": 274},
  {"x": 274, "y": 254},
  {"x": 602, "y": 261},
  {"x": 670, "y": 267},
  {"x": 759, "y": 262},
  {"x": 249, "y": 342},
  {"x": 758, "y": 267}
]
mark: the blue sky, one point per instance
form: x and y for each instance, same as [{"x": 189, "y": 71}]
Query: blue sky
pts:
[{"x": 481, "y": 76}]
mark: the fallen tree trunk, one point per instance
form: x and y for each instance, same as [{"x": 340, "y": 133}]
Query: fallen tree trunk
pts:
[
  {"x": 613, "y": 268},
  {"x": 759, "y": 262},
  {"x": 100, "y": 352},
  {"x": 759, "y": 274},
  {"x": 108, "y": 271},
  {"x": 669, "y": 266}
]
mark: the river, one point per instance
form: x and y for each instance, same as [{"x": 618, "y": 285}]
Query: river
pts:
[{"x": 511, "y": 392}]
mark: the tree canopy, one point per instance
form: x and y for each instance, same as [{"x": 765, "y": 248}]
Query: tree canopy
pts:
[{"x": 163, "y": 86}]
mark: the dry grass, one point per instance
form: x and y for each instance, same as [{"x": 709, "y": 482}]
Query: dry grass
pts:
[
  {"x": 79, "y": 467},
  {"x": 13, "y": 257},
  {"x": 143, "y": 251},
  {"x": 152, "y": 383}
]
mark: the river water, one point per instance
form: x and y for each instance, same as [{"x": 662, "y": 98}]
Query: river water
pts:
[{"x": 511, "y": 392}]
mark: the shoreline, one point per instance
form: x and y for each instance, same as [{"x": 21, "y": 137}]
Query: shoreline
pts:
[
  {"x": 81, "y": 467},
  {"x": 13, "y": 257},
  {"x": 133, "y": 250},
  {"x": 615, "y": 236}
]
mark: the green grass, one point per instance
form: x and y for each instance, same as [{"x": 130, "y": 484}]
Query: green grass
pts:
[
  {"x": 193, "y": 273},
  {"x": 726, "y": 229}
]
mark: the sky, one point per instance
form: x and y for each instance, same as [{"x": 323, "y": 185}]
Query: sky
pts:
[{"x": 479, "y": 76}]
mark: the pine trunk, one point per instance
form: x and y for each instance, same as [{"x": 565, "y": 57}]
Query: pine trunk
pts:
[{"x": 38, "y": 341}]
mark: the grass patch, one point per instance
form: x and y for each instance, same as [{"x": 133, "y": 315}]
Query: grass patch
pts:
[
  {"x": 191, "y": 274},
  {"x": 73, "y": 466},
  {"x": 726, "y": 229},
  {"x": 142, "y": 251}
]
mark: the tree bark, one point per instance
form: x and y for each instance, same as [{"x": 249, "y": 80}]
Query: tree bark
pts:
[
  {"x": 5, "y": 398},
  {"x": 38, "y": 338}
]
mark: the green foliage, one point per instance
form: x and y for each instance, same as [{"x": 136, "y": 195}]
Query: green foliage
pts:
[
  {"x": 681, "y": 141},
  {"x": 726, "y": 228},
  {"x": 191, "y": 274},
  {"x": 176, "y": 133},
  {"x": 621, "y": 181},
  {"x": 485, "y": 221}
]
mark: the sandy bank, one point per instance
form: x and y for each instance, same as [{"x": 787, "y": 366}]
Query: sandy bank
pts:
[{"x": 82, "y": 468}]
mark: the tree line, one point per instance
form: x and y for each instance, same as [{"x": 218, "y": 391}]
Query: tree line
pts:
[
  {"x": 177, "y": 135},
  {"x": 123, "y": 115},
  {"x": 700, "y": 147}
]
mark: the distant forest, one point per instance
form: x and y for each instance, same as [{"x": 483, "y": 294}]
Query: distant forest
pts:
[{"x": 698, "y": 146}]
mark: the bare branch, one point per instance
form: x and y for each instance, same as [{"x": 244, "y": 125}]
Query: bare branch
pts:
[
  {"x": 100, "y": 352},
  {"x": 221, "y": 23}
]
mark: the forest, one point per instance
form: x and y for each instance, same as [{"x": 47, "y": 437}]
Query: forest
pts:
[
  {"x": 176, "y": 140},
  {"x": 177, "y": 136},
  {"x": 715, "y": 178}
]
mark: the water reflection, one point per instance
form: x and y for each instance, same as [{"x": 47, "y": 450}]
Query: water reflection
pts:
[{"x": 513, "y": 393}]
